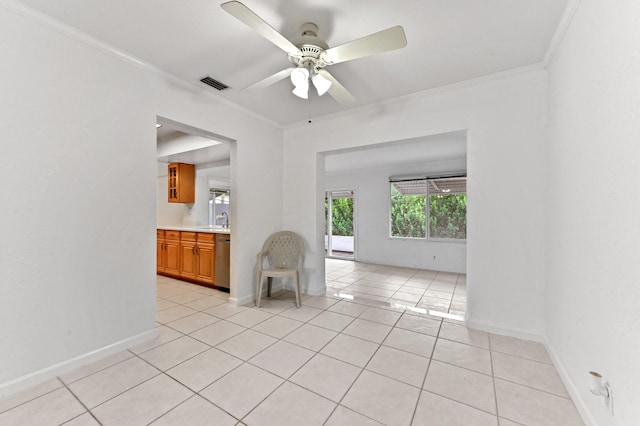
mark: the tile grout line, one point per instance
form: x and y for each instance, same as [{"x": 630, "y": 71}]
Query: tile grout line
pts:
[
  {"x": 493, "y": 380},
  {"x": 242, "y": 362},
  {"x": 34, "y": 398},
  {"x": 286, "y": 380},
  {"x": 173, "y": 408},
  {"x": 88, "y": 410},
  {"x": 424, "y": 380},
  {"x": 362, "y": 369}
]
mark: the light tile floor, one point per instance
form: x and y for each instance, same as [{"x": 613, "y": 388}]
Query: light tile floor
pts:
[{"x": 384, "y": 345}]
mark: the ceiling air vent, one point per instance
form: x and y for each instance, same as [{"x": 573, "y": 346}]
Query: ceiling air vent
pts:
[{"x": 214, "y": 83}]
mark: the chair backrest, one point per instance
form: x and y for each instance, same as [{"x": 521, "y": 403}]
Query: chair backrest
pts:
[{"x": 283, "y": 249}]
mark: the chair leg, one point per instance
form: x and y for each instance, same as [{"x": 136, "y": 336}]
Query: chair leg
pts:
[
  {"x": 269, "y": 282},
  {"x": 259, "y": 289},
  {"x": 296, "y": 287}
]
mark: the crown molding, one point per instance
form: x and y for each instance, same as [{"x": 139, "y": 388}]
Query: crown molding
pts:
[
  {"x": 40, "y": 18},
  {"x": 561, "y": 30},
  {"x": 33, "y": 15}
]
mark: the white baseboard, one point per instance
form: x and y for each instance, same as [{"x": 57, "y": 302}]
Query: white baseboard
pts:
[
  {"x": 242, "y": 301},
  {"x": 277, "y": 286},
  {"x": 520, "y": 334},
  {"x": 251, "y": 298},
  {"x": 28, "y": 380},
  {"x": 584, "y": 412},
  {"x": 316, "y": 291}
]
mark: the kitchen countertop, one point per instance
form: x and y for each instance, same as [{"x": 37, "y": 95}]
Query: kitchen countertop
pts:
[{"x": 211, "y": 230}]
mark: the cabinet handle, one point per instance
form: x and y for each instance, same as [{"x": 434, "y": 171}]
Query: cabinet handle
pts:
[
  {"x": 198, "y": 250},
  {"x": 193, "y": 250}
]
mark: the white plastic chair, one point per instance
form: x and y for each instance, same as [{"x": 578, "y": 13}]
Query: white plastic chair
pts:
[{"x": 284, "y": 251}]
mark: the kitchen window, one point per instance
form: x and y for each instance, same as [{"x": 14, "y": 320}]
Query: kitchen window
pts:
[
  {"x": 429, "y": 208},
  {"x": 219, "y": 205}
]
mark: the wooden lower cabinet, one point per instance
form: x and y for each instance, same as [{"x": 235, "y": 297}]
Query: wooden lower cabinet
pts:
[
  {"x": 205, "y": 261},
  {"x": 161, "y": 257},
  {"x": 172, "y": 247},
  {"x": 168, "y": 252},
  {"x": 187, "y": 255},
  {"x": 188, "y": 260}
]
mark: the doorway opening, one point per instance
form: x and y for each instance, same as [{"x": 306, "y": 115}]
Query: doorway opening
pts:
[
  {"x": 339, "y": 239},
  {"x": 209, "y": 212},
  {"x": 421, "y": 273}
]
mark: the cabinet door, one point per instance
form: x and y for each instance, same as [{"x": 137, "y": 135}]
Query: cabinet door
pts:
[
  {"x": 172, "y": 253},
  {"x": 188, "y": 259},
  {"x": 186, "y": 183},
  {"x": 172, "y": 170},
  {"x": 160, "y": 252},
  {"x": 181, "y": 183},
  {"x": 205, "y": 260},
  {"x": 161, "y": 262}
]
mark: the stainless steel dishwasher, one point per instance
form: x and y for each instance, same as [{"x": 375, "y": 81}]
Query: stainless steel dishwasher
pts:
[{"x": 223, "y": 245}]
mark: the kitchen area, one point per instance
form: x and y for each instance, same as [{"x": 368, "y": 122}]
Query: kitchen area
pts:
[{"x": 193, "y": 206}]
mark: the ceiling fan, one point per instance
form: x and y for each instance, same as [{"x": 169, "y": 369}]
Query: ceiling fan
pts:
[{"x": 309, "y": 55}]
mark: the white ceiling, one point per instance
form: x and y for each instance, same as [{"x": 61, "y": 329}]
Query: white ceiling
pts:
[
  {"x": 217, "y": 155},
  {"x": 448, "y": 41},
  {"x": 176, "y": 145}
]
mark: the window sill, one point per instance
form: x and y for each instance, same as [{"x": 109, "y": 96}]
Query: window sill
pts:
[{"x": 430, "y": 240}]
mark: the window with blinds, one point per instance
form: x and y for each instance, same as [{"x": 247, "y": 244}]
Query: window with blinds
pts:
[{"x": 434, "y": 208}]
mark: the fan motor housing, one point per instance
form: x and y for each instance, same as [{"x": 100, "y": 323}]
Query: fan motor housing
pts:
[{"x": 311, "y": 47}]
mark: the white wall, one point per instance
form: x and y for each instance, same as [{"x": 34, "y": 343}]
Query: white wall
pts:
[
  {"x": 592, "y": 295},
  {"x": 373, "y": 244},
  {"x": 506, "y": 130},
  {"x": 77, "y": 259}
]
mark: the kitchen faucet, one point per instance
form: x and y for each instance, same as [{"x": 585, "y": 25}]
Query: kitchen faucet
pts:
[{"x": 224, "y": 216}]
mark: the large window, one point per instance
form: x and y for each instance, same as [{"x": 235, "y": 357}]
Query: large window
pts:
[{"x": 444, "y": 216}]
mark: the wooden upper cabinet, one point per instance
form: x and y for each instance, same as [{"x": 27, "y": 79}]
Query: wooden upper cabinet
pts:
[{"x": 182, "y": 183}]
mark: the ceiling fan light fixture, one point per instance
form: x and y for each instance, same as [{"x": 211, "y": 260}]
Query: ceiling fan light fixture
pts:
[
  {"x": 309, "y": 53},
  {"x": 302, "y": 90},
  {"x": 300, "y": 76},
  {"x": 321, "y": 83}
]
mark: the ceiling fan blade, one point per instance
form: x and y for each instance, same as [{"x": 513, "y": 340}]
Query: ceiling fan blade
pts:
[
  {"x": 390, "y": 39},
  {"x": 272, "y": 79},
  {"x": 337, "y": 90},
  {"x": 246, "y": 16}
]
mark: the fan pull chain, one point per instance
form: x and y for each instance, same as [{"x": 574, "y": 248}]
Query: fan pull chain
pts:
[{"x": 309, "y": 109}]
